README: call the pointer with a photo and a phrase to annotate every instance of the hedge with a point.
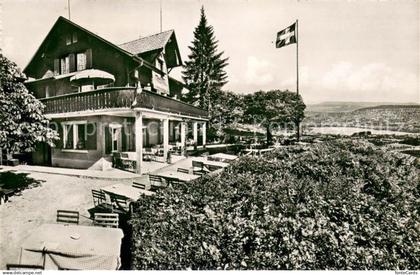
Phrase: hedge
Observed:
(333, 205)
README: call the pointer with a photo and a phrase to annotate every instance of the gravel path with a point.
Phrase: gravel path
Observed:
(38, 205)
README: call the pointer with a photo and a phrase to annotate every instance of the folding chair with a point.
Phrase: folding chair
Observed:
(119, 203)
(155, 180)
(98, 197)
(198, 166)
(67, 216)
(101, 205)
(183, 170)
(199, 172)
(106, 220)
(139, 185)
(116, 160)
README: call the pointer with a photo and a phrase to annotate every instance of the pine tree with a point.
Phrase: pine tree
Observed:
(204, 72)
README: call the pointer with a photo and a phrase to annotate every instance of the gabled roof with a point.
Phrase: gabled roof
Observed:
(148, 43)
(62, 20)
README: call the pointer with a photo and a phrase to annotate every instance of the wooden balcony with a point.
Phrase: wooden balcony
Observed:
(118, 97)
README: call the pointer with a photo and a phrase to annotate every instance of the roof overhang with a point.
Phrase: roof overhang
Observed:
(62, 20)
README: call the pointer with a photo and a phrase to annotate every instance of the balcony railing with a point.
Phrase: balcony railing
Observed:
(154, 101)
(111, 98)
(92, 100)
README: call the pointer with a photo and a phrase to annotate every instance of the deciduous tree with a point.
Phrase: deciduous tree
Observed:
(274, 109)
(22, 122)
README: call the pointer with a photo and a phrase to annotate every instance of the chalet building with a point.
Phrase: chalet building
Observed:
(104, 98)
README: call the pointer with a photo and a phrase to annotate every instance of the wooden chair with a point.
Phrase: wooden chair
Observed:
(120, 203)
(117, 160)
(139, 185)
(212, 168)
(101, 205)
(23, 267)
(155, 180)
(199, 172)
(106, 220)
(198, 166)
(98, 197)
(183, 170)
(67, 216)
(148, 154)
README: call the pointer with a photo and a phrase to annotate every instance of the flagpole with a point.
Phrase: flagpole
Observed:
(297, 58)
(297, 74)
(68, 6)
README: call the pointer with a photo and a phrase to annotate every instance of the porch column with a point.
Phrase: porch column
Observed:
(139, 141)
(195, 132)
(204, 132)
(183, 135)
(165, 138)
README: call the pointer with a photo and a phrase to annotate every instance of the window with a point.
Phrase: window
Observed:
(47, 91)
(129, 133)
(65, 65)
(87, 88)
(81, 61)
(74, 37)
(115, 135)
(81, 136)
(74, 135)
(159, 64)
(68, 39)
(68, 136)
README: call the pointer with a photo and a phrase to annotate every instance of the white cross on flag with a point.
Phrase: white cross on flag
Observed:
(286, 36)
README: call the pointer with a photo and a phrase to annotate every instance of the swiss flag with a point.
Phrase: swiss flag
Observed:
(286, 36)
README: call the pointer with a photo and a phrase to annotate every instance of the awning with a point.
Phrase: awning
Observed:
(92, 76)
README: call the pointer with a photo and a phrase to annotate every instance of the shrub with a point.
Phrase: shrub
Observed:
(333, 205)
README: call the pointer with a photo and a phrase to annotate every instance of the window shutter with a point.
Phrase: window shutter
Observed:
(56, 66)
(59, 128)
(72, 58)
(88, 58)
(92, 133)
(108, 146)
(124, 139)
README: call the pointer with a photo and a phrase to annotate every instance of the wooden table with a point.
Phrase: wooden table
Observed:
(178, 175)
(60, 246)
(127, 191)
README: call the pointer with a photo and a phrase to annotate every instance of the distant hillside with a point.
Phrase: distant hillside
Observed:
(395, 117)
(343, 106)
(390, 107)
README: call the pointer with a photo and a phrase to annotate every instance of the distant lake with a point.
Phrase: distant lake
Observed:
(348, 131)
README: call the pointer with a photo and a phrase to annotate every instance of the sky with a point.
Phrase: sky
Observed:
(348, 50)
